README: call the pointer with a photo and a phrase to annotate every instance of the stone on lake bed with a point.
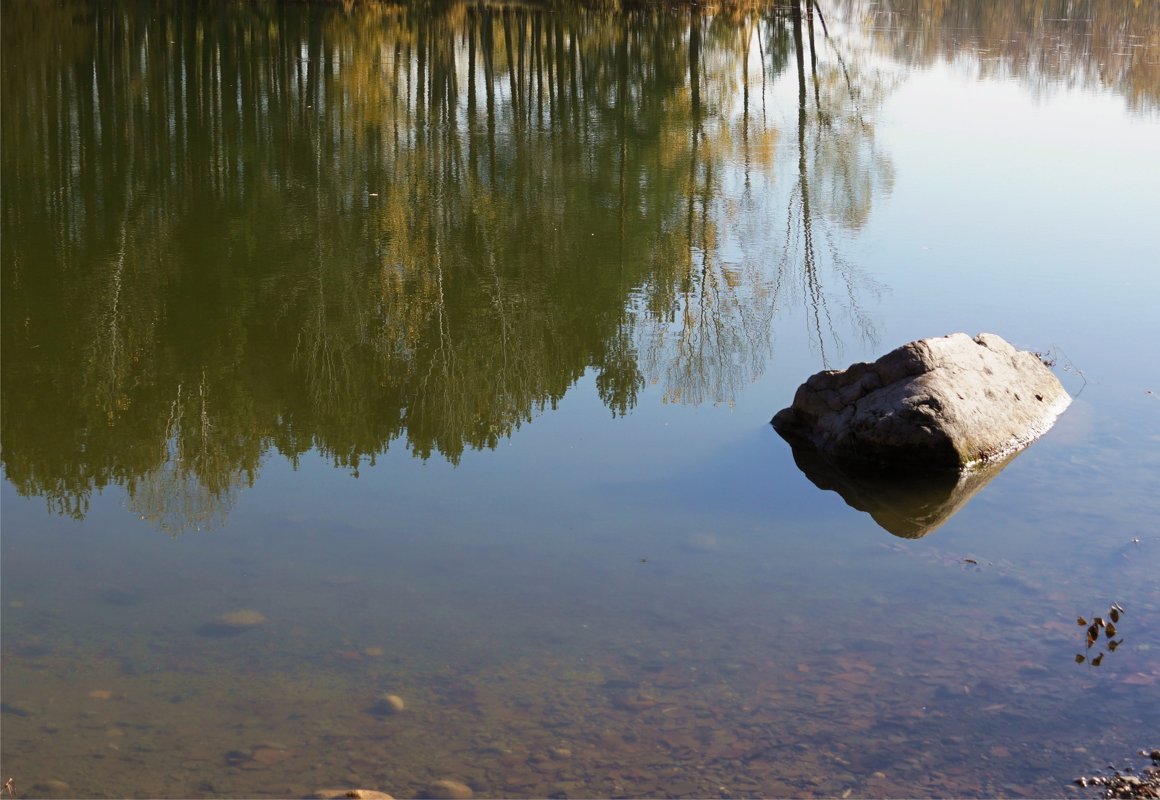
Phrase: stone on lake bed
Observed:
(246, 618)
(233, 623)
(942, 404)
(50, 786)
(389, 704)
(267, 755)
(447, 789)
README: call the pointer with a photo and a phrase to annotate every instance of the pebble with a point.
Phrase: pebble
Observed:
(390, 704)
(245, 618)
(269, 755)
(50, 786)
(633, 701)
(561, 753)
(447, 789)
(100, 694)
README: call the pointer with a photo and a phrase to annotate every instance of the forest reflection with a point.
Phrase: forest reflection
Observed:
(1045, 44)
(259, 227)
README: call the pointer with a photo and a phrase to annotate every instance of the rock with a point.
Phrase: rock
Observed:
(632, 701)
(358, 794)
(50, 786)
(233, 623)
(943, 404)
(447, 789)
(267, 755)
(246, 618)
(388, 704)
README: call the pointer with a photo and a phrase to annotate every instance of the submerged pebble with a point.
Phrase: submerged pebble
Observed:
(245, 618)
(233, 623)
(447, 789)
(51, 786)
(388, 704)
(266, 755)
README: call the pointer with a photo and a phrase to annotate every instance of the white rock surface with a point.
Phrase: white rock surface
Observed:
(948, 403)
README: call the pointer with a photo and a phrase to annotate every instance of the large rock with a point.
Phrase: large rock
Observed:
(943, 404)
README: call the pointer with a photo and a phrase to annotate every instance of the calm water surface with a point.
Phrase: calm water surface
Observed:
(445, 343)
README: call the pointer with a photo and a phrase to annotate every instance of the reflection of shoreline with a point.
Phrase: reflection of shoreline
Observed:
(1105, 45)
(427, 250)
(905, 506)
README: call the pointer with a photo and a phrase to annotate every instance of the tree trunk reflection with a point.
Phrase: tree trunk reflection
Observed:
(344, 228)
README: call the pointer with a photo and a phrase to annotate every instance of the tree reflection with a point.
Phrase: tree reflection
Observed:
(304, 227)
(838, 160)
(1045, 43)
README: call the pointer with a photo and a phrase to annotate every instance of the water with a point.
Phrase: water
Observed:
(447, 342)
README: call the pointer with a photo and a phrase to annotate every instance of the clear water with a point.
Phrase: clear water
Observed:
(447, 342)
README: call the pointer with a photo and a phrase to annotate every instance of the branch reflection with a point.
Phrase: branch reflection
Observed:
(300, 228)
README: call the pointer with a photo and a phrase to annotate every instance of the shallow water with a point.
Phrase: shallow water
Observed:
(457, 367)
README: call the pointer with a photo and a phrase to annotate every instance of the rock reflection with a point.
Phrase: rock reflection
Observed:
(905, 506)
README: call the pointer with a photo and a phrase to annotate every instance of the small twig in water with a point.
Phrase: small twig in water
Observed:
(1049, 361)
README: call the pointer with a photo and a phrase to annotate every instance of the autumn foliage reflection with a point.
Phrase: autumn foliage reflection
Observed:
(1043, 43)
(296, 227)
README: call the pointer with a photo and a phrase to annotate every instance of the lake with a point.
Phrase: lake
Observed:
(430, 351)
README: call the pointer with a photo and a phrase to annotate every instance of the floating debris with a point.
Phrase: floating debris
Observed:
(1092, 633)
